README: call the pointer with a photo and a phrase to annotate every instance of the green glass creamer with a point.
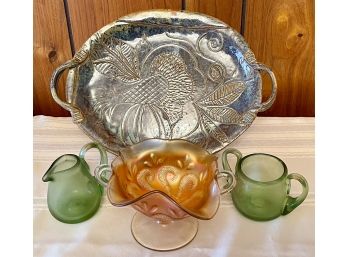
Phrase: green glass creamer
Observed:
(74, 195)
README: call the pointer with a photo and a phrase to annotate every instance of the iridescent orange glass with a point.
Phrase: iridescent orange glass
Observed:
(166, 180)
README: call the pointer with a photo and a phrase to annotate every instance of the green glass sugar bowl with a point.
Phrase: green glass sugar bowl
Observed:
(74, 195)
(263, 186)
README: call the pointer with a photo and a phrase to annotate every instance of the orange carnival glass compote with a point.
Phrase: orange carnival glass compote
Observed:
(167, 180)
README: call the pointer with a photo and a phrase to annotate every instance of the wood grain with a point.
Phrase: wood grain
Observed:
(51, 49)
(281, 34)
(88, 16)
(228, 11)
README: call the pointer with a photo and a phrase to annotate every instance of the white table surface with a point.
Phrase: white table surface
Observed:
(227, 234)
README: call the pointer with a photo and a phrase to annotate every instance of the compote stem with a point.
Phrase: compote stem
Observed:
(163, 235)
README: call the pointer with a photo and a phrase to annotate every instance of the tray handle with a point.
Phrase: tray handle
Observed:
(75, 112)
(268, 103)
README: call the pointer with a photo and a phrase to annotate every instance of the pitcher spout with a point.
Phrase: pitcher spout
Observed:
(47, 176)
(61, 164)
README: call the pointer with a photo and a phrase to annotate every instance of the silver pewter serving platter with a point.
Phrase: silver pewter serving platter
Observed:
(164, 74)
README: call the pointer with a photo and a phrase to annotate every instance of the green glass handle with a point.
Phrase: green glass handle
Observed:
(293, 202)
(225, 164)
(231, 181)
(102, 172)
(227, 171)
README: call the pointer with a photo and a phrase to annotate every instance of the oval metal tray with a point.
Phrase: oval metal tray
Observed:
(164, 74)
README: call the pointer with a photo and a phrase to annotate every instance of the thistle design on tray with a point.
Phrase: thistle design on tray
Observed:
(165, 75)
(163, 86)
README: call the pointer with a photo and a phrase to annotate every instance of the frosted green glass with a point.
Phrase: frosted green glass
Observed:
(74, 195)
(263, 186)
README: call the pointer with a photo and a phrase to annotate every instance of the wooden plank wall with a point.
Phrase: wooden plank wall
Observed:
(279, 32)
(51, 49)
(88, 16)
(228, 11)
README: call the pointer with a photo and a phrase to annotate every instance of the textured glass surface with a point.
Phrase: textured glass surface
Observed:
(73, 193)
(263, 186)
(262, 168)
(170, 183)
(172, 178)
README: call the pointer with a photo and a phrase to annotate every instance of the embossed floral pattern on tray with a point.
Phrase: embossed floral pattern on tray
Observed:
(187, 77)
(161, 89)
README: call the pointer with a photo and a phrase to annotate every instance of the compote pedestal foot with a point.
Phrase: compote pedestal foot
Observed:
(163, 236)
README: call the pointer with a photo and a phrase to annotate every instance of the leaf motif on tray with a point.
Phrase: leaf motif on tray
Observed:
(249, 117)
(224, 115)
(225, 94)
(115, 59)
(212, 130)
(250, 57)
(80, 56)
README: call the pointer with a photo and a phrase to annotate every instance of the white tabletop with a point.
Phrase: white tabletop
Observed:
(227, 234)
